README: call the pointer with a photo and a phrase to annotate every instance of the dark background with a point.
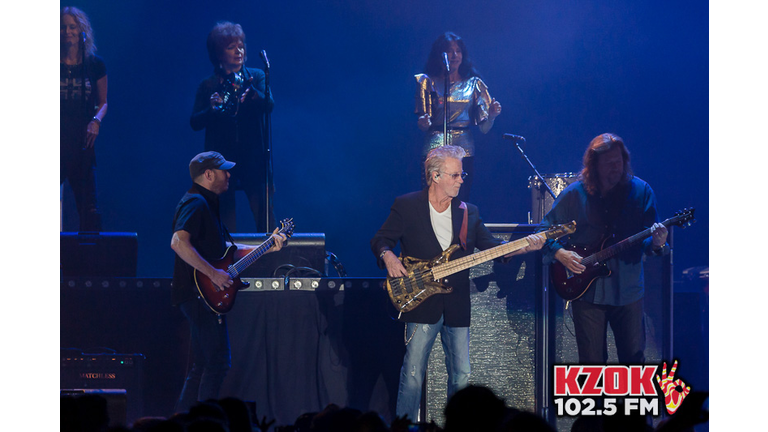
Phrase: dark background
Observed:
(344, 133)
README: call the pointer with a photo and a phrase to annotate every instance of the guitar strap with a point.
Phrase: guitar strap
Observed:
(463, 232)
(226, 233)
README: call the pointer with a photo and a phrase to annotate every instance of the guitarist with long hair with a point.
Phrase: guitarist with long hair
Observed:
(608, 202)
(199, 237)
(426, 223)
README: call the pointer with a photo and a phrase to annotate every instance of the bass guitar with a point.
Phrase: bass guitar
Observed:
(426, 277)
(570, 286)
(221, 299)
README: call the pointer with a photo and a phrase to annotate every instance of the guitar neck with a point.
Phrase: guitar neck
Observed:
(623, 245)
(463, 263)
(251, 257)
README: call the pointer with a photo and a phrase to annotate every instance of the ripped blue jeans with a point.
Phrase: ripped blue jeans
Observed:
(422, 337)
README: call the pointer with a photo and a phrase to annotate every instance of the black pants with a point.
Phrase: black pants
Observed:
(211, 356)
(591, 324)
(78, 166)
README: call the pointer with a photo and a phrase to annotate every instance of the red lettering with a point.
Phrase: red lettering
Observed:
(642, 381)
(565, 381)
(593, 376)
(616, 380)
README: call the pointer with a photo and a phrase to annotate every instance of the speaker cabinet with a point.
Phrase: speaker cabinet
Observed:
(87, 403)
(303, 255)
(691, 327)
(103, 254)
(105, 374)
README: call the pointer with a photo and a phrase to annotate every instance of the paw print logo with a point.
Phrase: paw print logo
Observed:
(674, 390)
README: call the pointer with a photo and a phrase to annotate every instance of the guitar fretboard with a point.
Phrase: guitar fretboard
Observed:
(463, 263)
(623, 245)
(446, 269)
(244, 262)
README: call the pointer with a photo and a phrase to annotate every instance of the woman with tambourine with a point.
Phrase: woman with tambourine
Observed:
(231, 105)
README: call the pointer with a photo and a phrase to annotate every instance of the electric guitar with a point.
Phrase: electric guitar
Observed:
(221, 299)
(426, 277)
(571, 286)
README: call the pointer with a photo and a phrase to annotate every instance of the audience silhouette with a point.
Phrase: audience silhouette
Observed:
(473, 408)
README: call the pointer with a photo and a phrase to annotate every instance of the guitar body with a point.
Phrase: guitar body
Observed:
(220, 299)
(407, 292)
(571, 286)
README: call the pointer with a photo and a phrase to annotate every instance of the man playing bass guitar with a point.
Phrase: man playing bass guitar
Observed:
(607, 201)
(426, 223)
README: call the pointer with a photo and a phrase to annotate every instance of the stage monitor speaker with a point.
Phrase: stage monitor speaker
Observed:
(503, 336)
(303, 251)
(90, 372)
(105, 254)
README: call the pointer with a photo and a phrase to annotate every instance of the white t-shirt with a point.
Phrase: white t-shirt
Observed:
(442, 226)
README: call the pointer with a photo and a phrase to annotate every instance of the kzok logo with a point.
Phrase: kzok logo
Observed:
(575, 387)
(616, 381)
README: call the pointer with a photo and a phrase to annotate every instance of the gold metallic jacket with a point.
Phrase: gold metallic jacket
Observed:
(468, 104)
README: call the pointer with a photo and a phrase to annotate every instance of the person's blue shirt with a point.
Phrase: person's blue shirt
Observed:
(624, 211)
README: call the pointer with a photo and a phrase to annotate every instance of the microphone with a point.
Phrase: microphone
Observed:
(447, 63)
(514, 137)
(263, 54)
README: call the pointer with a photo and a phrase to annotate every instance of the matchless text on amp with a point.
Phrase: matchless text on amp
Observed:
(607, 390)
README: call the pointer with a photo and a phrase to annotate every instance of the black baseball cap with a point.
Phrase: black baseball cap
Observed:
(208, 160)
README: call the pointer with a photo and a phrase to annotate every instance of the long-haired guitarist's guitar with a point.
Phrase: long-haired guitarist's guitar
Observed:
(425, 277)
(571, 286)
(221, 299)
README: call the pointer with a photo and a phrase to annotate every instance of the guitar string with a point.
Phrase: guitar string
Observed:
(468, 260)
(252, 256)
(620, 246)
(456, 265)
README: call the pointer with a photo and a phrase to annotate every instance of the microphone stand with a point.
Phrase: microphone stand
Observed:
(84, 77)
(534, 169)
(445, 105)
(268, 144)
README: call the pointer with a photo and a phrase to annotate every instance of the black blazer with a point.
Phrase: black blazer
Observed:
(409, 224)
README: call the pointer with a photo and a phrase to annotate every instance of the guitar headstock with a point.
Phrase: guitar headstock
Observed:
(561, 230)
(286, 227)
(683, 218)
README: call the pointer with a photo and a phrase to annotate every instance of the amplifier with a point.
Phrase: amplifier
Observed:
(106, 254)
(303, 251)
(115, 399)
(115, 372)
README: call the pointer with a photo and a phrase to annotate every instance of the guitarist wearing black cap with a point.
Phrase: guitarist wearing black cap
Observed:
(199, 238)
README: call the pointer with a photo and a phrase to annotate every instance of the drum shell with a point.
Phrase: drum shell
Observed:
(541, 200)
